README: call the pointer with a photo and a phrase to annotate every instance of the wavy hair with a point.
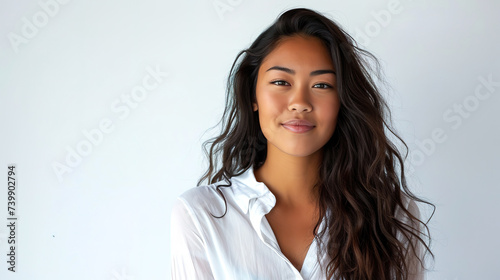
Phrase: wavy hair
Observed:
(362, 176)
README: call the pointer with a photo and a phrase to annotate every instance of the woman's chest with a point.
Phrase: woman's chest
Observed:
(294, 233)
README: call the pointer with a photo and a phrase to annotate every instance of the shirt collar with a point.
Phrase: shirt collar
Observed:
(246, 188)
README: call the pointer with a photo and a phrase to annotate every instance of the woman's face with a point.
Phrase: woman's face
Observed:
(297, 81)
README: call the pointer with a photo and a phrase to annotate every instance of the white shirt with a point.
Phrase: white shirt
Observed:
(241, 245)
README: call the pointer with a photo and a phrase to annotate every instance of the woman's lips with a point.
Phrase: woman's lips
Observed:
(298, 128)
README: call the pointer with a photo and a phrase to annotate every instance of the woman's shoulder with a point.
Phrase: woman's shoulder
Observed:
(203, 199)
(412, 220)
(411, 207)
(199, 194)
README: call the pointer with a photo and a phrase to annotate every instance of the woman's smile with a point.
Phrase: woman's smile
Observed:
(298, 128)
(298, 125)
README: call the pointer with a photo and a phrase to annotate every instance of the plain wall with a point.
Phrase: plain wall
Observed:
(98, 207)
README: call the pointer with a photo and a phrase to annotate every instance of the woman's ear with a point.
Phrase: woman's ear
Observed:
(255, 107)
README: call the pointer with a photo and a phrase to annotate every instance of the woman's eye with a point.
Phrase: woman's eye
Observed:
(324, 86)
(280, 83)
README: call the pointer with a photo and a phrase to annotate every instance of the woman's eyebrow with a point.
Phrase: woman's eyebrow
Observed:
(313, 73)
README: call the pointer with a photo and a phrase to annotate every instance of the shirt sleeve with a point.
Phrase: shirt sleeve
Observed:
(188, 251)
(416, 269)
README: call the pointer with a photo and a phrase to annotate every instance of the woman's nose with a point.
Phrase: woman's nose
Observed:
(300, 100)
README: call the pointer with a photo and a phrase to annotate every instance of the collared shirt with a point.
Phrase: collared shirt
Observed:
(241, 245)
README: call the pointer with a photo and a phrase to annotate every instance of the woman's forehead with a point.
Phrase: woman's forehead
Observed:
(301, 52)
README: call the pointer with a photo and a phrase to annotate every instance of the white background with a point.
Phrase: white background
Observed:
(108, 216)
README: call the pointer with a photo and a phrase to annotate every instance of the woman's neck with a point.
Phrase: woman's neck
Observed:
(290, 178)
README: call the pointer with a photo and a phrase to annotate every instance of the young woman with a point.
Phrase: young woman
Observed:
(310, 186)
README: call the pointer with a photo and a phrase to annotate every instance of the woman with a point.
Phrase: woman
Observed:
(310, 185)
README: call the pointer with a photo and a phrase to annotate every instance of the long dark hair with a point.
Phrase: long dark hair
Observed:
(362, 176)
